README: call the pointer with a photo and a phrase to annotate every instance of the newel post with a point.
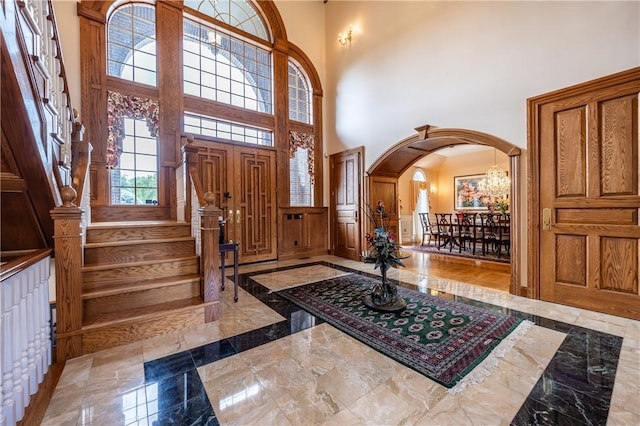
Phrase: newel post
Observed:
(68, 259)
(210, 257)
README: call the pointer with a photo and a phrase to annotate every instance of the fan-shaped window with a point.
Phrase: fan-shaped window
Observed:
(299, 95)
(237, 13)
(131, 43)
(226, 69)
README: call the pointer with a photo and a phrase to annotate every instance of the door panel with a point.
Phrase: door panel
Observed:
(248, 175)
(255, 204)
(346, 183)
(589, 179)
(213, 166)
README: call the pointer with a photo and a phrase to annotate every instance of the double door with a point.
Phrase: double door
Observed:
(243, 180)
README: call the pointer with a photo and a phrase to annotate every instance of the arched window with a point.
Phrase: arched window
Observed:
(301, 144)
(131, 43)
(299, 95)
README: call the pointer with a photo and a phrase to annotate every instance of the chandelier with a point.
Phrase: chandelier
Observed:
(496, 182)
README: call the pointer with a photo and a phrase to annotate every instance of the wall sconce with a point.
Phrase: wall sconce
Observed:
(344, 39)
(433, 189)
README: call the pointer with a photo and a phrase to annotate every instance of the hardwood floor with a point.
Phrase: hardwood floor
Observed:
(477, 272)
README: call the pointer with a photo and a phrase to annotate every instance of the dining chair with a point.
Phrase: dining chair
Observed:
(503, 233)
(428, 229)
(466, 231)
(445, 234)
(488, 228)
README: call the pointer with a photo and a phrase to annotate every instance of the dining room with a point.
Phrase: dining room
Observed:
(455, 203)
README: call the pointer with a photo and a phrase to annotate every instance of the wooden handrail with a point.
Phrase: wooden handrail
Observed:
(18, 264)
(80, 160)
(189, 154)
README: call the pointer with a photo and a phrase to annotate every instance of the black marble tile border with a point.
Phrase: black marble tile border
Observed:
(574, 389)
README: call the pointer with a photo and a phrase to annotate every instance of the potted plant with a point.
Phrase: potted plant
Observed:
(384, 252)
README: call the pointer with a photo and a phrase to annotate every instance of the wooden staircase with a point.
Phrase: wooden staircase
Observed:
(140, 280)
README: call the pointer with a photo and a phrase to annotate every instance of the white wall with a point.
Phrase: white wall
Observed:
(468, 65)
(69, 31)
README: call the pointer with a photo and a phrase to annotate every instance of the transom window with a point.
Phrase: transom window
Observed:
(131, 43)
(209, 126)
(223, 68)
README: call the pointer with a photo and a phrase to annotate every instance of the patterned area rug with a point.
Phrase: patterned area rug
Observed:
(439, 338)
(493, 257)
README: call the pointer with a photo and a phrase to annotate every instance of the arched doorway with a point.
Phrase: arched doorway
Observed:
(397, 159)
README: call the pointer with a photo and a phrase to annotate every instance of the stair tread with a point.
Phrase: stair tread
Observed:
(104, 288)
(136, 314)
(135, 224)
(137, 242)
(106, 266)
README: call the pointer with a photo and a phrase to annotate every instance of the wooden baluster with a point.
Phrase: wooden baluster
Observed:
(6, 362)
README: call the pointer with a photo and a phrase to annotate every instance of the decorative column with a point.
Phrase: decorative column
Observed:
(68, 254)
(210, 257)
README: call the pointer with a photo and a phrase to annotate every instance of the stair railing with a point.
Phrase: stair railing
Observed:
(25, 331)
(205, 226)
(44, 48)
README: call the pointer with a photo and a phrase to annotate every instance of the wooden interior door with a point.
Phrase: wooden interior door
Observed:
(248, 175)
(346, 190)
(589, 197)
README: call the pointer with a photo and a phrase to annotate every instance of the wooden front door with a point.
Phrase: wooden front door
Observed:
(589, 196)
(255, 204)
(248, 176)
(346, 191)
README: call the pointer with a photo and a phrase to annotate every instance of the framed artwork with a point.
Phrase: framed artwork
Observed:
(466, 194)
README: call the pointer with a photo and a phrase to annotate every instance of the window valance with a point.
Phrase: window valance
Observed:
(120, 107)
(305, 141)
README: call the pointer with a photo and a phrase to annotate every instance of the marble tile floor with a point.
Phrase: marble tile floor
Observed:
(267, 362)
